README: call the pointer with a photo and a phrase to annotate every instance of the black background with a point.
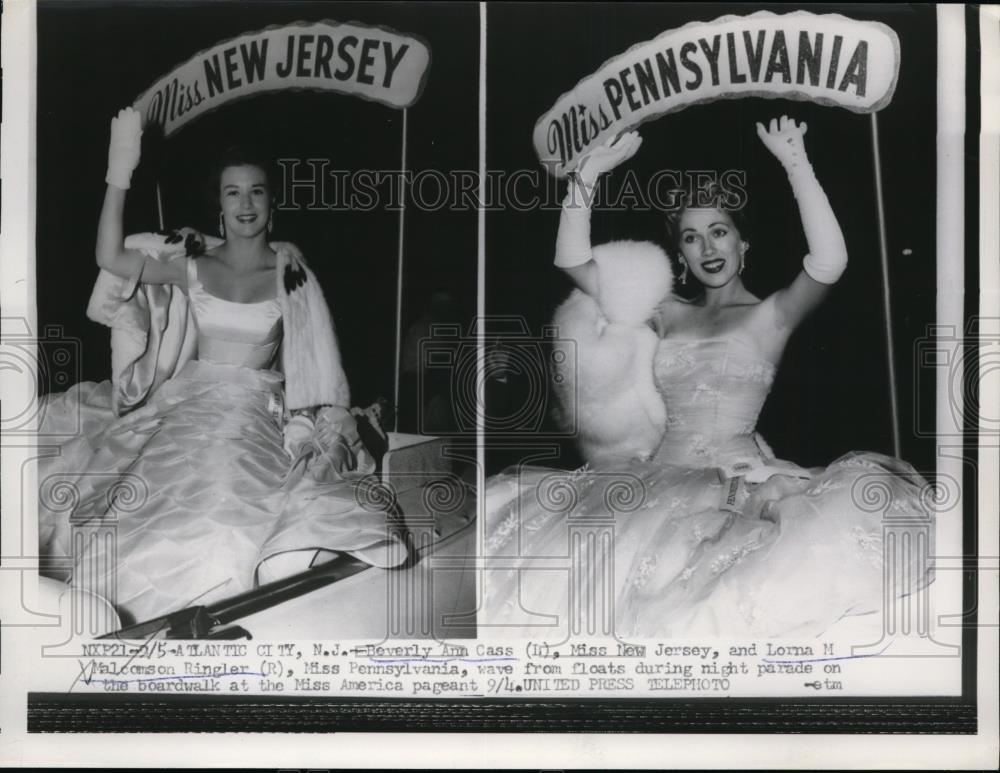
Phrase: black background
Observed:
(90, 65)
(831, 393)
(95, 58)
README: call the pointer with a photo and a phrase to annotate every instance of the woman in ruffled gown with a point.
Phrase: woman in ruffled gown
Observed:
(683, 523)
(201, 468)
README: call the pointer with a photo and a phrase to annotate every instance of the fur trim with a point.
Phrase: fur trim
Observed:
(152, 331)
(632, 279)
(309, 353)
(607, 393)
(310, 356)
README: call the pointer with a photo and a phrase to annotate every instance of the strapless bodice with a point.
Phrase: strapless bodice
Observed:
(713, 390)
(244, 334)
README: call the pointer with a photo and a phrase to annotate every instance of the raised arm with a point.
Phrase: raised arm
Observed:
(573, 249)
(123, 157)
(827, 257)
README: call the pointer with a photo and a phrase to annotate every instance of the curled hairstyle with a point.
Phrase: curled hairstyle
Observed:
(240, 155)
(712, 195)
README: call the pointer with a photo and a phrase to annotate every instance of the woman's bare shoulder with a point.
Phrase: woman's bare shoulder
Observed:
(675, 305)
(211, 255)
(670, 311)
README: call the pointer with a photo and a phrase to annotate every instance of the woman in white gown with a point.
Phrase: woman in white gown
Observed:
(201, 468)
(683, 523)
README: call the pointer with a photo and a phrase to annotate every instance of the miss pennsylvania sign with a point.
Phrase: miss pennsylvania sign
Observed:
(825, 58)
(370, 62)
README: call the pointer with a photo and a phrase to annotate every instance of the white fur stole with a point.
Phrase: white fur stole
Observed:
(607, 393)
(310, 356)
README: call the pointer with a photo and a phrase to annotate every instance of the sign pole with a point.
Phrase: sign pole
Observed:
(399, 277)
(159, 206)
(886, 300)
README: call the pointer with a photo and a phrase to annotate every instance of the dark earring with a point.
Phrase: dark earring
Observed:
(222, 226)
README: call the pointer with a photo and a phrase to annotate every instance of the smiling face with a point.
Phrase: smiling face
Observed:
(245, 199)
(711, 246)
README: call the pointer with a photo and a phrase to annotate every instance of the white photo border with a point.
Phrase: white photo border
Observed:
(672, 730)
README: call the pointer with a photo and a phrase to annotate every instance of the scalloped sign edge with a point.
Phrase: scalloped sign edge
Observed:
(368, 61)
(829, 59)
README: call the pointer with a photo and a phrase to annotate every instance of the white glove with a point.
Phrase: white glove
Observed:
(298, 432)
(606, 157)
(827, 256)
(573, 239)
(784, 139)
(124, 148)
(337, 443)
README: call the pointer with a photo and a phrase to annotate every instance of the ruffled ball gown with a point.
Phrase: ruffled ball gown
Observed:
(709, 534)
(182, 500)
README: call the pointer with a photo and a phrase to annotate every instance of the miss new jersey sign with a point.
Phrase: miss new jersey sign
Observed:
(825, 58)
(370, 62)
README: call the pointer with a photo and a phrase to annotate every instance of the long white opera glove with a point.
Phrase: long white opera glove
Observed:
(124, 148)
(573, 239)
(827, 256)
(298, 432)
(337, 440)
(325, 446)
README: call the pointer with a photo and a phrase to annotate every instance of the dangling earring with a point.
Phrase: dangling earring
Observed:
(222, 226)
(684, 272)
(743, 258)
(270, 223)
